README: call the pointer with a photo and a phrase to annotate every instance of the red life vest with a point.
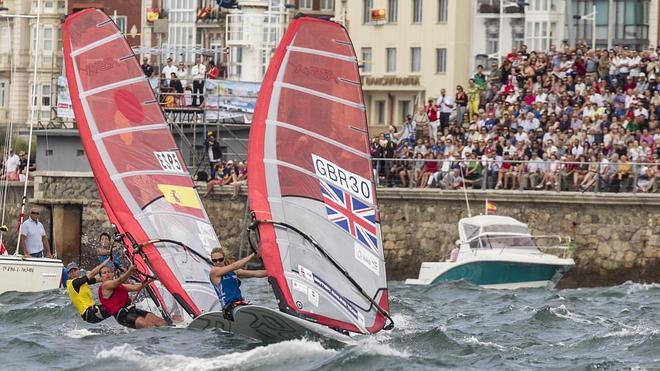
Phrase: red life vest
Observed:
(116, 301)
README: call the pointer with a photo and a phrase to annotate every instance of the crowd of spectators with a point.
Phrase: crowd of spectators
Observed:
(178, 85)
(572, 119)
(13, 166)
(228, 173)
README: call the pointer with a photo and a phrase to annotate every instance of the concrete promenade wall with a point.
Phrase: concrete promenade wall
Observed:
(617, 236)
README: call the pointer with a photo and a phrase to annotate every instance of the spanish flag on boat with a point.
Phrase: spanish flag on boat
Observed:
(490, 208)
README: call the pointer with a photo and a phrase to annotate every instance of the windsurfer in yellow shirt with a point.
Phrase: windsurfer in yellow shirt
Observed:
(81, 295)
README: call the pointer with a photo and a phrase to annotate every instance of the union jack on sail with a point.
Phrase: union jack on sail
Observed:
(350, 214)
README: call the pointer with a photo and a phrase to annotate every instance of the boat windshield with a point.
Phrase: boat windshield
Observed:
(500, 242)
(471, 231)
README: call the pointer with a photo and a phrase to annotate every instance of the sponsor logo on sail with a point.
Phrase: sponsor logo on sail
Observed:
(327, 288)
(102, 65)
(353, 183)
(180, 195)
(299, 286)
(368, 259)
(313, 71)
(313, 297)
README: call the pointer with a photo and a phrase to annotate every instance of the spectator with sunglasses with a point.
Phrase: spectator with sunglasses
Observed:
(225, 276)
(33, 237)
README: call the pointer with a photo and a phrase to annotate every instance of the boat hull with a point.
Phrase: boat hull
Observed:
(29, 274)
(498, 274)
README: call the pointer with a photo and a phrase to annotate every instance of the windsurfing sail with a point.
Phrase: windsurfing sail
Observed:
(311, 190)
(142, 179)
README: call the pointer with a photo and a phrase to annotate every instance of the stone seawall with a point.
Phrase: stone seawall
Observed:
(617, 237)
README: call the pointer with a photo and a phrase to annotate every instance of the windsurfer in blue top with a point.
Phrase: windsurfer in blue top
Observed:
(224, 276)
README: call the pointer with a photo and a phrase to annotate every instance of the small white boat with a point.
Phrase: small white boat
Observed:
(499, 252)
(27, 274)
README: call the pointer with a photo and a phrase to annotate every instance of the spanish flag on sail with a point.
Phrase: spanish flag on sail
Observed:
(490, 208)
(180, 195)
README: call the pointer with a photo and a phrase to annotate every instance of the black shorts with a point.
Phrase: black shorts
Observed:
(127, 315)
(228, 309)
(95, 314)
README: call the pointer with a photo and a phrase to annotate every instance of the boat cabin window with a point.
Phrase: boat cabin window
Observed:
(499, 242)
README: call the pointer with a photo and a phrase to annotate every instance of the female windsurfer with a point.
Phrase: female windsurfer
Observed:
(225, 280)
(113, 294)
(81, 295)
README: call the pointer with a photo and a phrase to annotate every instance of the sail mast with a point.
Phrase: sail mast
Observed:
(21, 216)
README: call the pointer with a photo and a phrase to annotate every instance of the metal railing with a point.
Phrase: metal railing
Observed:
(490, 174)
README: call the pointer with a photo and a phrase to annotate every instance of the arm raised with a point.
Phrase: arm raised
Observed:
(217, 272)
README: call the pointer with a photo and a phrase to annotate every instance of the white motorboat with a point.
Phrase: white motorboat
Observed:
(27, 274)
(499, 252)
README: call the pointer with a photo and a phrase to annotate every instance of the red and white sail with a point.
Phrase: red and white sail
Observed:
(310, 169)
(143, 181)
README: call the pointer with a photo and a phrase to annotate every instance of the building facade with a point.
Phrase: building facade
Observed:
(417, 48)
(252, 33)
(127, 14)
(499, 29)
(618, 22)
(18, 48)
(316, 8)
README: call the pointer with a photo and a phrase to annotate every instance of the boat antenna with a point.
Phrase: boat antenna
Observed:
(33, 109)
(467, 202)
(8, 140)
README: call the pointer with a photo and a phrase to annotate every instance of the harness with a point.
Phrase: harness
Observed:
(228, 310)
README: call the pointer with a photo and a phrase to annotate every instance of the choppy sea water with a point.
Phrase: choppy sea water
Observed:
(453, 326)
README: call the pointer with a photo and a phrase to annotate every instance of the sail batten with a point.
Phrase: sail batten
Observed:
(96, 44)
(127, 174)
(114, 85)
(322, 53)
(313, 134)
(144, 184)
(319, 94)
(311, 183)
(121, 131)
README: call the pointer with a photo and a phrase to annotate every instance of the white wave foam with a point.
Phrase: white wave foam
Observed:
(79, 333)
(288, 353)
(633, 331)
(641, 287)
(371, 345)
(403, 323)
(474, 340)
(50, 306)
(563, 312)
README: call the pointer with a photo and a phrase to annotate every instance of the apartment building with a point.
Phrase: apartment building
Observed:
(411, 50)
(18, 37)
